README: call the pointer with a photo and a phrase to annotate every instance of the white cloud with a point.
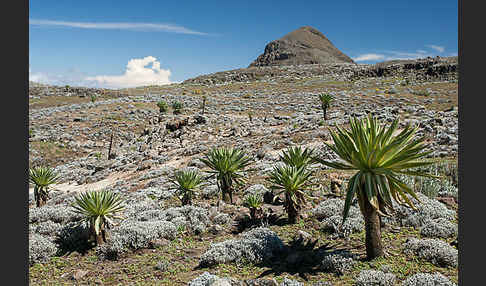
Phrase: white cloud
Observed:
(72, 77)
(387, 55)
(439, 49)
(137, 74)
(118, 26)
(38, 77)
(368, 57)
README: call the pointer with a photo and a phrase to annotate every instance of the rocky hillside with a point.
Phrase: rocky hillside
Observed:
(305, 45)
(161, 242)
(420, 69)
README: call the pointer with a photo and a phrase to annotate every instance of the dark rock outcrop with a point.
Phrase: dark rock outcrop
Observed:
(305, 45)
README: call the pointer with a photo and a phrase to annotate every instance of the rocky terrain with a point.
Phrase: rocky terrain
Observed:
(262, 110)
(444, 69)
(305, 45)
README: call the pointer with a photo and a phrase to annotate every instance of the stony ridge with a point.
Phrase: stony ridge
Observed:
(445, 68)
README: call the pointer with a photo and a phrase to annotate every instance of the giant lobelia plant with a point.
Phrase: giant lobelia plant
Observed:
(379, 154)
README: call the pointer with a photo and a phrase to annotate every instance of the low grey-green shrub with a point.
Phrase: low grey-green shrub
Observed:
(210, 191)
(257, 245)
(204, 279)
(335, 226)
(330, 212)
(435, 251)
(139, 234)
(222, 219)
(291, 282)
(322, 283)
(439, 228)
(257, 189)
(427, 279)
(375, 278)
(162, 265)
(48, 228)
(136, 205)
(132, 235)
(332, 207)
(194, 218)
(338, 262)
(58, 214)
(157, 193)
(427, 210)
(40, 249)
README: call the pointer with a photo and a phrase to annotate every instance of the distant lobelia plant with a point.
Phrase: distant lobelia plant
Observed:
(296, 157)
(292, 181)
(250, 115)
(163, 107)
(227, 166)
(254, 203)
(204, 98)
(186, 182)
(177, 107)
(379, 156)
(42, 178)
(98, 209)
(326, 100)
(93, 98)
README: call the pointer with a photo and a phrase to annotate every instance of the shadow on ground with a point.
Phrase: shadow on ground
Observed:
(300, 257)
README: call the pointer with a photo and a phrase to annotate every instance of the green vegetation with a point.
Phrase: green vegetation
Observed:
(250, 115)
(177, 107)
(292, 181)
(42, 178)
(93, 98)
(186, 182)
(325, 100)
(163, 106)
(379, 157)
(227, 165)
(204, 98)
(98, 209)
(296, 157)
(254, 203)
(422, 93)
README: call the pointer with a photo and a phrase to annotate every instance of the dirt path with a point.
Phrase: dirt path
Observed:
(96, 186)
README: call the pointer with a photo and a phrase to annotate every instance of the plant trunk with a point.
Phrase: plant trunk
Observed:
(226, 192)
(374, 248)
(253, 214)
(227, 197)
(324, 111)
(101, 237)
(186, 200)
(40, 199)
(292, 211)
(111, 144)
(293, 215)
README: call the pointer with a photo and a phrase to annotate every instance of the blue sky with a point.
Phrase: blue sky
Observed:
(127, 43)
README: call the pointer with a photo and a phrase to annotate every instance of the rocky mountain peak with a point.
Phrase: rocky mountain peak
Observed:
(306, 45)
